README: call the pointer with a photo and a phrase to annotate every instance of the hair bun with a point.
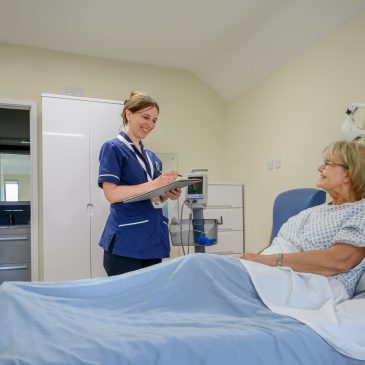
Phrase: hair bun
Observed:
(135, 93)
(136, 102)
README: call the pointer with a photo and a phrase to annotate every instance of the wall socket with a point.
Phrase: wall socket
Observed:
(277, 163)
(273, 164)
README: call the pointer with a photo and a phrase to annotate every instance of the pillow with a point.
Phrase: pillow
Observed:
(360, 286)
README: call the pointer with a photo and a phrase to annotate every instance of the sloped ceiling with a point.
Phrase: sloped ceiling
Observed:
(229, 44)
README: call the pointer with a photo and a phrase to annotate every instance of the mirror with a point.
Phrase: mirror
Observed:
(15, 161)
(15, 177)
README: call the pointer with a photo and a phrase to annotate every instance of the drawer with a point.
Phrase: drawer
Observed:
(14, 230)
(225, 195)
(229, 242)
(15, 272)
(14, 248)
(232, 217)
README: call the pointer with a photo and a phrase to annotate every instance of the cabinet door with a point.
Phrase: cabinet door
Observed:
(14, 245)
(15, 272)
(232, 218)
(221, 195)
(66, 224)
(105, 123)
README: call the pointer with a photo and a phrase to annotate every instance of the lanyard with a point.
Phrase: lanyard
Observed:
(141, 162)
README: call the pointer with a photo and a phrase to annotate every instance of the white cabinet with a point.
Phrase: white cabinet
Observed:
(74, 207)
(15, 260)
(225, 199)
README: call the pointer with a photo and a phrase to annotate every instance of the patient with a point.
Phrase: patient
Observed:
(328, 239)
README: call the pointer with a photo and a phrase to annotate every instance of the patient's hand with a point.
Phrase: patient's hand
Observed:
(262, 259)
(248, 256)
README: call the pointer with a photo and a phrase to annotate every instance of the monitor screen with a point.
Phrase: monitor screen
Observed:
(196, 188)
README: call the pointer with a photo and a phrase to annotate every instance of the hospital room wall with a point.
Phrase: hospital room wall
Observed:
(292, 115)
(191, 112)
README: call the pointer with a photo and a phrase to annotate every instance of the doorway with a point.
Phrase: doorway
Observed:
(19, 156)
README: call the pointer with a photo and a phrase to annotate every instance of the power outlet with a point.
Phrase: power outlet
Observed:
(277, 163)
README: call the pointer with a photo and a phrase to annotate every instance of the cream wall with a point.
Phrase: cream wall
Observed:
(292, 115)
(191, 112)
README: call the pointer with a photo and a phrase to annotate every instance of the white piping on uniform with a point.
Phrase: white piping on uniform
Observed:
(132, 224)
(109, 175)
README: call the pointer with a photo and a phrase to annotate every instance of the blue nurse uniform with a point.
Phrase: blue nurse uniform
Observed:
(140, 230)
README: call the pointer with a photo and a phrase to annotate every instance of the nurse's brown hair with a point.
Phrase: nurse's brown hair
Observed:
(137, 101)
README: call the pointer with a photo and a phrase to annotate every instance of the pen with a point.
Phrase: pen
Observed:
(179, 175)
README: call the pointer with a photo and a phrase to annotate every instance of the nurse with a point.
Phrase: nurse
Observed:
(136, 234)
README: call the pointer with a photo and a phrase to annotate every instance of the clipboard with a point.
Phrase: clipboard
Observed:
(163, 189)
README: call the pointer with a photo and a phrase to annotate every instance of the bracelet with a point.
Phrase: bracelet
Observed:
(279, 259)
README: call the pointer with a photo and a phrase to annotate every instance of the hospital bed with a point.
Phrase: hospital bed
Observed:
(196, 309)
(189, 310)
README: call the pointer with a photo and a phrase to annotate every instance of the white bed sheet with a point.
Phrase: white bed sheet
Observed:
(318, 301)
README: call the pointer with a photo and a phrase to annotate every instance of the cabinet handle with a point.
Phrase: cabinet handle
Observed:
(14, 238)
(90, 209)
(15, 267)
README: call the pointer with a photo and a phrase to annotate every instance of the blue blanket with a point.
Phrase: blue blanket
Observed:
(198, 309)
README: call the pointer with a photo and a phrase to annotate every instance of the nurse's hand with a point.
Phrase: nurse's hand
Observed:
(165, 178)
(172, 194)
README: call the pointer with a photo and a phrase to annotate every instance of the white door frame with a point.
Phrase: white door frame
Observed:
(32, 107)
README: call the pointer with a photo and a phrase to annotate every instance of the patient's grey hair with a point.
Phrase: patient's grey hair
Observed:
(137, 101)
(351, 155)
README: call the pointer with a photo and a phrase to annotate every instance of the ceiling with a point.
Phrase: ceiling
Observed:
(229, 44)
